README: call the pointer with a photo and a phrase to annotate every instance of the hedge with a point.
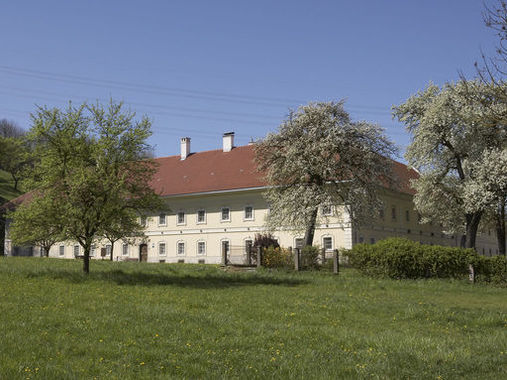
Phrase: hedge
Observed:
(402, 258)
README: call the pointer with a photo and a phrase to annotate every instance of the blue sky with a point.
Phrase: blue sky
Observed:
(201, 68)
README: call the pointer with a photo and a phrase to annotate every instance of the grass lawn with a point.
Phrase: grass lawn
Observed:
(7, 186)
(132, 320)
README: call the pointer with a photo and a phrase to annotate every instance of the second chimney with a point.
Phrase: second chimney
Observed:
(228, 141)
(185, 147)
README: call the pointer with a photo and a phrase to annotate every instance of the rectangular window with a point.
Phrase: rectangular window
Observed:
(161, 219)
(201, 216)
(381, 213)
(108, 249)
(180, 218)
(248, 213)
(201, 248)
(361, 239)
(372, 240)
(61, 250)
(226, 214)
(92, 250)
(327, 210)
(407, 216)
(161, 249)
(125, 249)
(328, 243)
(393, 213)
(181, 248)
(143, 221)
(76, 250)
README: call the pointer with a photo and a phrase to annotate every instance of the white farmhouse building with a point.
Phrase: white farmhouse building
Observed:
(216, 201)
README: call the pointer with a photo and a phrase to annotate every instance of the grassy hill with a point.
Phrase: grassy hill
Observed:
(7, 190)
(151, 321)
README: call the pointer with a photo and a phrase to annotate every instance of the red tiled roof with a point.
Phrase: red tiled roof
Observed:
(216, 170)
(212, 170)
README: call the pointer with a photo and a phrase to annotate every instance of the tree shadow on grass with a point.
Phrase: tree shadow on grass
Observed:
(205, 281)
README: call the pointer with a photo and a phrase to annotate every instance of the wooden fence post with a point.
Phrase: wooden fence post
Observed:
(297, 265)
(259, 257)
(336, 262)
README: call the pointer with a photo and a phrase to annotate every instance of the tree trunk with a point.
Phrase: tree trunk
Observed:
(112, 248)
(472, 225)
(310, 229)
(500, 229)
(16, 180)
(86, 259)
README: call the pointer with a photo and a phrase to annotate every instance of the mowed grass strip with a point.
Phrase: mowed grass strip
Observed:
(131, 320)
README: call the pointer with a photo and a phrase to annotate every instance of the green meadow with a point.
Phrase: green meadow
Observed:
(149, 321)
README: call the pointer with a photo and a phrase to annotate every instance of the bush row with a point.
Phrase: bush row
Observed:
(277, 257)
(403, 258)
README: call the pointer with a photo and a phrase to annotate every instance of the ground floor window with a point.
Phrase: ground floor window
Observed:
(161, 249)
(92, 250)
(328, 243)
(76, 250)
(61, 250)
(181, 248)
(248, 246)
(201, 248)
(125, 249)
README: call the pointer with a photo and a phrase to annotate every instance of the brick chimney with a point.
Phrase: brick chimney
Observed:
(185, 147)
(228, 141)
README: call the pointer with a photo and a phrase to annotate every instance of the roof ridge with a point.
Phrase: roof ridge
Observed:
(204, 151)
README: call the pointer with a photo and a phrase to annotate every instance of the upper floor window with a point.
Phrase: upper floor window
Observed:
(327, 210)
(181, 248)
(162, 219)
(180, 217)
(226, 214)
(143, 221)
(201, 216)
(248, 213)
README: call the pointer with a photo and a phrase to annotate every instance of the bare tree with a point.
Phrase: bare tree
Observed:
(9, 128)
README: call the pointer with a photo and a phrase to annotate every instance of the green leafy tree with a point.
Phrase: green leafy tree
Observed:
(319, 157)
(91, 160)
(38, 222)
(14, 157)
(452, 127)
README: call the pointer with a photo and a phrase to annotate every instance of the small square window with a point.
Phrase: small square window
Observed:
(327, 210)
(201, 261)
(201, 248)
(125, 249)
(226, 214)
(328, 243)
(201, 216)
(162, 219)
(181, 248)
(181, 217)
(61, 250)
(161, 249)
(248, 212)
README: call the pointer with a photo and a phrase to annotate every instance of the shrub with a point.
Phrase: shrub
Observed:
(310, 257)
(490, 269)
(265, 241)
(403, 258)
(277, 258)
